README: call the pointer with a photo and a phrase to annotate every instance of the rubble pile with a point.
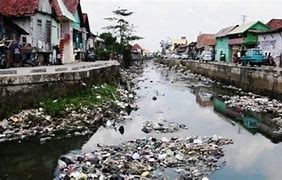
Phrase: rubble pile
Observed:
(166, 127)
(147, 158)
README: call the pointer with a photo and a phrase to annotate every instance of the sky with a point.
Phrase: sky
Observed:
(158, 20)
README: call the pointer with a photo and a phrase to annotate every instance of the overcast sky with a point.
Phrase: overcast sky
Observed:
(159, 19)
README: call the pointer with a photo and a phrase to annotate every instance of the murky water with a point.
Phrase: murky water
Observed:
(253, 155)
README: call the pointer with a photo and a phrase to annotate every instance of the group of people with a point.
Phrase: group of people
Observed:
(26, 55)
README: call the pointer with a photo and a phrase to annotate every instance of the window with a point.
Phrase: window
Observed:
(39, 22)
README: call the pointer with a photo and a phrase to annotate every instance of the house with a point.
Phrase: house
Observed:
(206, 41)
(222, 45)
(9, 30)
(271, 42)
(34, 17)
(244, 36)
(274, 23)
(137, 52)
(176, 42)
(62, 30)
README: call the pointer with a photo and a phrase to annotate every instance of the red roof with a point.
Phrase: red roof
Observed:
(18, 7)
(136, 47)
(71, 5)
(56, 7)
(205, 40)
(275, 23)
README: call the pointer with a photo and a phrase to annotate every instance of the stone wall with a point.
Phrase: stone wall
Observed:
(25, 91)
(261, 80)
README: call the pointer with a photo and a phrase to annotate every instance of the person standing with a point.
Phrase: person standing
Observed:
(17, 52)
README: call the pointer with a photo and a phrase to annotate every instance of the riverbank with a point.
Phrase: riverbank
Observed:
(261, 80)
(264, 112)
(73, 115)
(22, 88)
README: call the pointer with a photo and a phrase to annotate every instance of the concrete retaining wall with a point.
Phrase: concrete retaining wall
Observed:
(25, 91)
(261, 80)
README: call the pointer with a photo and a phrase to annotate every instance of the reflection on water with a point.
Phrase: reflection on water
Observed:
(32, 160)
(253, 156)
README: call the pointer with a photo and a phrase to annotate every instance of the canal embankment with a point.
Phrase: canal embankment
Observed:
(261, 80)
(22, 88)
(87, 99)
(253, 110)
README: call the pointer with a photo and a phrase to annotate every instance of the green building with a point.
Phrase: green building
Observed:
(244, 36)
(222, 47)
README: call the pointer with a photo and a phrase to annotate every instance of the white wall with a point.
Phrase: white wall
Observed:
(271, 43)
(68, 56)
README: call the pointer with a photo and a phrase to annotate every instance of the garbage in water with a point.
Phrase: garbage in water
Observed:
(191, 157)
(164, 127)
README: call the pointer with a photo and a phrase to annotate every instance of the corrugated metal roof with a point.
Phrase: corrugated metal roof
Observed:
(18, 8)
(224, 31)
(65, 11)
(275, 23)
(61, 10)
(71, 5)
(242, 28)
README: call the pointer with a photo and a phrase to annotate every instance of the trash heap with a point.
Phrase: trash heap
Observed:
(147, 158)
(34, 123)
(254, 103)
(165, 127)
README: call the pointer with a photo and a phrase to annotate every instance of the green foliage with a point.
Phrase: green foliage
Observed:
(124, 32)
(88, 98)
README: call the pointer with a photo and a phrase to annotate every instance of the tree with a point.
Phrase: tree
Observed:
(124, 32)
(110, 46)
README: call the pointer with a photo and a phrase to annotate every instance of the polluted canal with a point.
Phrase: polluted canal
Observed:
(170, 108)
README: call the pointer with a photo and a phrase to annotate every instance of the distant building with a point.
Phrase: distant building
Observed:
(176, 42)
(206, 41)
(137, 52)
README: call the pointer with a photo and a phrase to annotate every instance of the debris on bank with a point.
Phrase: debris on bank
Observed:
(165, 127)
(77, 115)
(254, 103)
(147, 158)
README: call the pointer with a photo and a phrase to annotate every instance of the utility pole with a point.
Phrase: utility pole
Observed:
(244, 18)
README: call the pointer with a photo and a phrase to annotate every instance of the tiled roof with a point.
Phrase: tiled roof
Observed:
(275, 23)
(18, 7)
(224, 31)
(71, 5)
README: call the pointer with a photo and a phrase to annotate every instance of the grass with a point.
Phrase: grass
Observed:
(96, 95)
